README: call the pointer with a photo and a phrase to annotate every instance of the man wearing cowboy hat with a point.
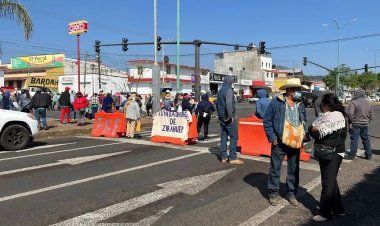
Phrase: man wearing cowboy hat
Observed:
(284, 109)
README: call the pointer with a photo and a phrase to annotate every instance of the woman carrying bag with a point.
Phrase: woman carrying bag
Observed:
(329, 131)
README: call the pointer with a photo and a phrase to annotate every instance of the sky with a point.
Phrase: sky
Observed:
(280, 23)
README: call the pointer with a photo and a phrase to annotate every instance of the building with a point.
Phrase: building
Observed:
(250, 69)
(55, 72)
(141, 77)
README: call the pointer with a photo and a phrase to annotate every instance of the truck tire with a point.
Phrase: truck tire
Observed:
(14, 137)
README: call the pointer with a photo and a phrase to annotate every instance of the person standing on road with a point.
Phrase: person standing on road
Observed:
(284, 126)
(24, 100)
(39, 103)
(330, 129)
(107, 103)
(132, 110)
(262, 103)
(65, 103)
(117, 100)
(149, 105)
(187, 105)
(80, 105)
(360, 113)
(203, 112)
(94, 104)
(226, 115)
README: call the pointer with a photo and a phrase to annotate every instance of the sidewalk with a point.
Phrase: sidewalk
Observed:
(56, 130)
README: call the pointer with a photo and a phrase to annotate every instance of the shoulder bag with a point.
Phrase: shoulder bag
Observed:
(324, 152)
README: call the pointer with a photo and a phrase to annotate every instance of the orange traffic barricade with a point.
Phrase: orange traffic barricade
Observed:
(253, 140)
(109, 125)
(191, 135)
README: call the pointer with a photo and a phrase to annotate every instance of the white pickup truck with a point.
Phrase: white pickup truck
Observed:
(17, 129)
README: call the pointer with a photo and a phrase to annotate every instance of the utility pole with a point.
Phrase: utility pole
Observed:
(85, 71)
(178, 45)
(156, 68)
(197, 45)
(100, 80)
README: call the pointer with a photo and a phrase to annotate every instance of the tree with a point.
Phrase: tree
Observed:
(368, 81)
(330, 78)
(13, 10)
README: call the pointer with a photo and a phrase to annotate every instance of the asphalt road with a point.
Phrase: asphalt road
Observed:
(136, 182)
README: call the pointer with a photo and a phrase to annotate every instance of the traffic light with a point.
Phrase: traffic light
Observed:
(250, 47)
(158, 43)
(262, 47)
(166, 59)
(365, 67)
(125, 44)
(304, 61)
(97, 46)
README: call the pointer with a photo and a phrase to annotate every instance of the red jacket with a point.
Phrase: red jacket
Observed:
(80, 103)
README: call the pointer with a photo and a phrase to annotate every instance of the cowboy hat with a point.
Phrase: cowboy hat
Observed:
(293, 83)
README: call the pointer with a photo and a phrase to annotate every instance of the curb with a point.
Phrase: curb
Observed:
(75, 131)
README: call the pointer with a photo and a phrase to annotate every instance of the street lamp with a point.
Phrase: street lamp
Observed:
(375, 52)
(338, 28)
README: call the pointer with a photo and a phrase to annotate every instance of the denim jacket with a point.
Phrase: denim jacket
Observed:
(274, 119)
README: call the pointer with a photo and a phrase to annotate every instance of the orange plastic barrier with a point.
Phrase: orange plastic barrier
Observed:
(109, 125)
(191, 135)
(252, 137)
(253, 140)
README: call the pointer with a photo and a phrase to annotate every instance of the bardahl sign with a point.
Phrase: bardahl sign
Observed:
(78, 27)
(220, 77)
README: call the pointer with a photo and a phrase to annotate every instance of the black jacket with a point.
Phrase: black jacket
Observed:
(40, 100)
(64, 99)
(332, 139)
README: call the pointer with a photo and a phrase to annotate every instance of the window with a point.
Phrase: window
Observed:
(266, 64)
(269, 65)
(272, 75)
(267, 75)
(262, 64)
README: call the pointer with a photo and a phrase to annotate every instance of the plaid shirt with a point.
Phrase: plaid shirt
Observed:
(292, 114)
(94, 100)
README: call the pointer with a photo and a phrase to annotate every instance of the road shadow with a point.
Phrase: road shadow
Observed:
(36, 144)
(361, 202)
(259, 181)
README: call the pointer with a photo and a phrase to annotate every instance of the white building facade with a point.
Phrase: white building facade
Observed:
(141, 77)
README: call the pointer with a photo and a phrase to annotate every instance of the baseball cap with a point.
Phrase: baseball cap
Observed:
(67, 88)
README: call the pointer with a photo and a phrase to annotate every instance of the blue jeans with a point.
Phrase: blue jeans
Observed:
(292, 180)
(40, 113)
(228, 129)
(93, 111)
(355, 131)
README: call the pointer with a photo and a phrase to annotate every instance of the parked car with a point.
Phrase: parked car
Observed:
(17, 129)
(33, 90)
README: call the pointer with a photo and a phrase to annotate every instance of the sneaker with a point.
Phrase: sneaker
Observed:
(224, 161)
(349, 157)
(46, 128)
(338, 214)
(205, 139)
(319, 218)
(236, 162)
(62, 124)
(273, 201)
(292, 200)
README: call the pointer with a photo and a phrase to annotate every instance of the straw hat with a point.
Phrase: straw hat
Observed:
(293, 83)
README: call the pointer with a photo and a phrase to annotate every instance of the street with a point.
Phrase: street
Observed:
(81, 180)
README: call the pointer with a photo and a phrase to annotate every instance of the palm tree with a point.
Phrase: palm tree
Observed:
(13, 10)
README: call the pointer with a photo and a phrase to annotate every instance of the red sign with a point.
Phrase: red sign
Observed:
(78, 27)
